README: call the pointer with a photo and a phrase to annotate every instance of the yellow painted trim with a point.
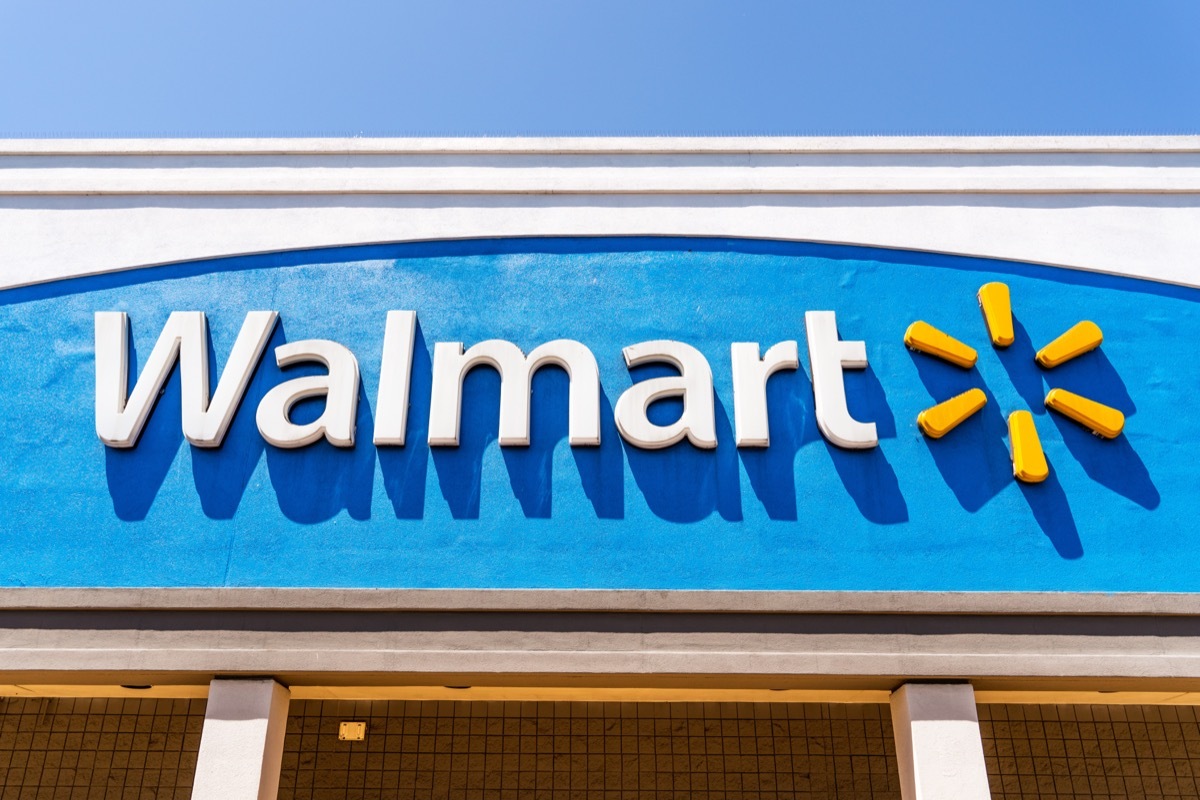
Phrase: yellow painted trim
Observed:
(1082, 337)
(591, 694)
(924, 338)
(613, 694)
(1100, 419)
(1029, 461)
(1090, 698)
(163, 691)
(936, 421)
(996, 303)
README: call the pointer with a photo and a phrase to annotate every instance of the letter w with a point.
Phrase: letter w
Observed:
(120, 419)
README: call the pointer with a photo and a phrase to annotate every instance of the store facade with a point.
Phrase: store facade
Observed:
(600, 468)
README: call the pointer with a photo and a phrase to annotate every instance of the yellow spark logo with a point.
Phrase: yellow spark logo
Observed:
(1029, 461)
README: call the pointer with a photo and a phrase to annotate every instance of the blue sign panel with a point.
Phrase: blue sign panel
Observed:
(913, 513)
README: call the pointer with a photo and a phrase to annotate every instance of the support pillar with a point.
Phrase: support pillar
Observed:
(241, 746)
(938, 747)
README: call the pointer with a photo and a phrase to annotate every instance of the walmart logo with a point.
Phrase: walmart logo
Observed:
(1029, 461)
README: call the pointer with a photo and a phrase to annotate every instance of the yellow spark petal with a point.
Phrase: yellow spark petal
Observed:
(997, 312)
(1029, 462)
(925, 338)
(1100, 419)
(936, 421)
(1083, 337)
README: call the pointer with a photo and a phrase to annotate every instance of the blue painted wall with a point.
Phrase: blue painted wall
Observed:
(911, 514)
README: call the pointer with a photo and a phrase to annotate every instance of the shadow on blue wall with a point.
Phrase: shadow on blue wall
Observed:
(973, 459)
(136, 474)
(602, 469)
(680, 483)
(405, 469)
(1111, 463)
(344, 475)
(531, 469)
(460, 469)
(1050, 508)
(791, 424)
(1023, 371)
(866, 474)
(684, 483)
(222, 474)
(315, 483)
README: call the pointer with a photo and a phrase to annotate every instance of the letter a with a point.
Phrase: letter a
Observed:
(693, 384)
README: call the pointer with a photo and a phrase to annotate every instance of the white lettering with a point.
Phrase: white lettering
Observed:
(339, 387)
(395, 374)
(693, 384)
(750, 388)
(120, 419)
(828, 357)
(451, 365)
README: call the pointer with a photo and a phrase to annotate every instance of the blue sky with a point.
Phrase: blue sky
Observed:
(459, 67)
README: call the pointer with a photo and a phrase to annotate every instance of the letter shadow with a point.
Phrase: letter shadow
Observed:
(314, 483)
(531, 469)
(602, 469)
(460, 469)
(772, 470)
(405, 469)
(868, 477)
(135, 475)
(1110, 462)
(973, 458)
(684, 483)
(1019, 361)
(221, 474)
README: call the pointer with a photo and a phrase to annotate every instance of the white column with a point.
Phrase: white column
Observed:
(241, 747)
(938, 746)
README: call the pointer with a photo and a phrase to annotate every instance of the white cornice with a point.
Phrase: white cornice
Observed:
(1120, 205)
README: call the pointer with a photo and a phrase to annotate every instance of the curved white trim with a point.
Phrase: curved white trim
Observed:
(55, 240)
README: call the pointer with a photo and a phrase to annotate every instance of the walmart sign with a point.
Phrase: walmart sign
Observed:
(624, 413)
(120, 417)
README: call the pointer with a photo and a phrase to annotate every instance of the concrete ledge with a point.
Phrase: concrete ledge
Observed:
(729, 649)
(621, 600)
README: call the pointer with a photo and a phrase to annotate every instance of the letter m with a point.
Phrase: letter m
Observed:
(451, 365)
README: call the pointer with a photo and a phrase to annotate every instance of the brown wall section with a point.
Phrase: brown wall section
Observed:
(92, 749)
(590, 751)
(1054, 752)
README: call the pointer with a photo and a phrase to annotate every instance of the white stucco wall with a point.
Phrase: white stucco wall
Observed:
(1122, 205)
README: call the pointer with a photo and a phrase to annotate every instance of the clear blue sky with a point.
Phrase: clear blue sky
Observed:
(609, 67)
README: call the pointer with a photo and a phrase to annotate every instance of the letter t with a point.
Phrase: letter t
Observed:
(828, 356)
